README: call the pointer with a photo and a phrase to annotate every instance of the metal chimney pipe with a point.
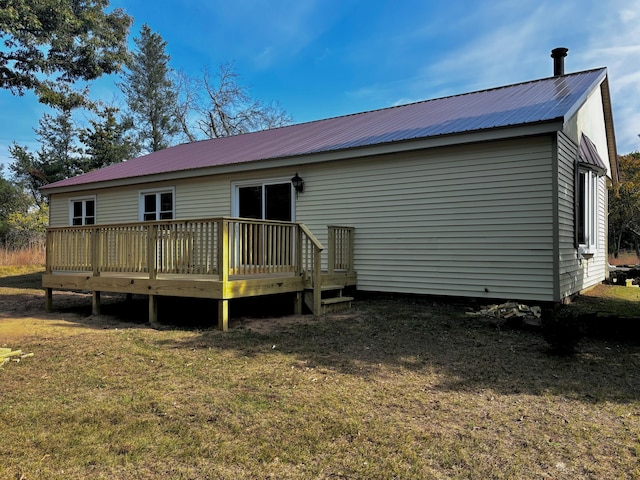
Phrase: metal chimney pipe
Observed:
(558, 55)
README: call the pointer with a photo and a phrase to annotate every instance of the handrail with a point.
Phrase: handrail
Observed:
(311, 236)
(313, 264)
(173, 221)
(186, 246)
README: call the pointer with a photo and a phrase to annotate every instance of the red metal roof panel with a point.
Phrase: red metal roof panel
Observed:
(520, 104)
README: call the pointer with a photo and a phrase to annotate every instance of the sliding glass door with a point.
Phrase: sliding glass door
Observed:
(265, 201)
(257, 244)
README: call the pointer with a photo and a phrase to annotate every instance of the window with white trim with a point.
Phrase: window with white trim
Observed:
(270, 199)
(587, 211)
(82, 211)
(157, 204)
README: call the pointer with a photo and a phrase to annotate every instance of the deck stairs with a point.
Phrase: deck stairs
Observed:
(333, 299)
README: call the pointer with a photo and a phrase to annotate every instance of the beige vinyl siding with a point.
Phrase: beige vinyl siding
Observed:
(451, 221)
(203, 197)
(59, 210)
(576, 274)
(114, 205)
(589, 119)
(569, 267)
(472, 220)
(117, 205)
(211, 196)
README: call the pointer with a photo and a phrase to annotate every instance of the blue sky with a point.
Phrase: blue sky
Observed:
(324, 58)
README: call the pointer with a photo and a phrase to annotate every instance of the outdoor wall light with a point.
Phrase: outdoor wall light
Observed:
(298, 183)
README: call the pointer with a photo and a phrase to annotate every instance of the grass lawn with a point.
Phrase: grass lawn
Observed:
(395, 388)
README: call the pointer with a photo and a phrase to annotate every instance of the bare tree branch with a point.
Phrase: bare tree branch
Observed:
(222, 106)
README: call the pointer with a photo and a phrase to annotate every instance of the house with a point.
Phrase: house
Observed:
(494, 194)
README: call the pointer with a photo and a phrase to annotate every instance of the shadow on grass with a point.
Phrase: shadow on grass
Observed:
(26, 281)
(469, 354)
(406, 333)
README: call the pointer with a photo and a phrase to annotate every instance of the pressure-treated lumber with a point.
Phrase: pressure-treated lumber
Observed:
(7, 352)
(218, 258)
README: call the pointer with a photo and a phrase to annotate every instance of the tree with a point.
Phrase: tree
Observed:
(150, 93)
(58, 157)
(186, 103)
(624, 204)
(27, 229)
(222, 106)
(12, 201)
(107, 140)
(49, 43)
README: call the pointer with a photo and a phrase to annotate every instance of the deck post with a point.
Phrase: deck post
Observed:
(317, 282)
(153, 310)
(48, 252)
(95, 304)
(223, 251)
(297, 307)
(331, 254)
(223, 273)
(96, 251)
(95, 263)
(152, 251)
(48, 300)
(298, 251)
(223, 315)
(48, 292)
(351, 251)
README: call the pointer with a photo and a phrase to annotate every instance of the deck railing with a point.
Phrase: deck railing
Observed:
(259, 247)
(198, 247)
(341, 248)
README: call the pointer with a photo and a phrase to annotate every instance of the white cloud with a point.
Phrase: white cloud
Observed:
(506, 44)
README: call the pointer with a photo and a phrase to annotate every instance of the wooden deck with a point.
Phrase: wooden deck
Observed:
(222, 259)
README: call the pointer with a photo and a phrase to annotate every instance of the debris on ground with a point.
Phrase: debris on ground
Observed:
(627, 275)
(510, 311)
(7, 355)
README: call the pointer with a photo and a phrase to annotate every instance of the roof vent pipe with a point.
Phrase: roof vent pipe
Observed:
(558, 55)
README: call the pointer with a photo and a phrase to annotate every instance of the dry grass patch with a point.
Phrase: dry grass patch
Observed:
(625, 257)
(398, 388)
(34, 255)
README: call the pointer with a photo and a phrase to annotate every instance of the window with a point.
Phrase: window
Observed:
(156, 205)
(587, 211)
(268, 200)
(82, 211)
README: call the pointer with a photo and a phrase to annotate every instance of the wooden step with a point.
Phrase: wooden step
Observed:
(333, 300)
(335, 304)
(327, 288)
(331, 304)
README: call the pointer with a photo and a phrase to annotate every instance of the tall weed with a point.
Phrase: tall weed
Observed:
(21, 257)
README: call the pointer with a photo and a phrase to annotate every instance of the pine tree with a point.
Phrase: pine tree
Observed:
(107, 140)
(58, 157)
(150, 92)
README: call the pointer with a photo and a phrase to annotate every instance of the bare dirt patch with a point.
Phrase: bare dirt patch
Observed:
(396, 388)
(22, 312)
(268, 325)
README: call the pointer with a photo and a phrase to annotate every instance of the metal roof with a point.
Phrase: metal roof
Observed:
(588, 154)
(544, 100)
